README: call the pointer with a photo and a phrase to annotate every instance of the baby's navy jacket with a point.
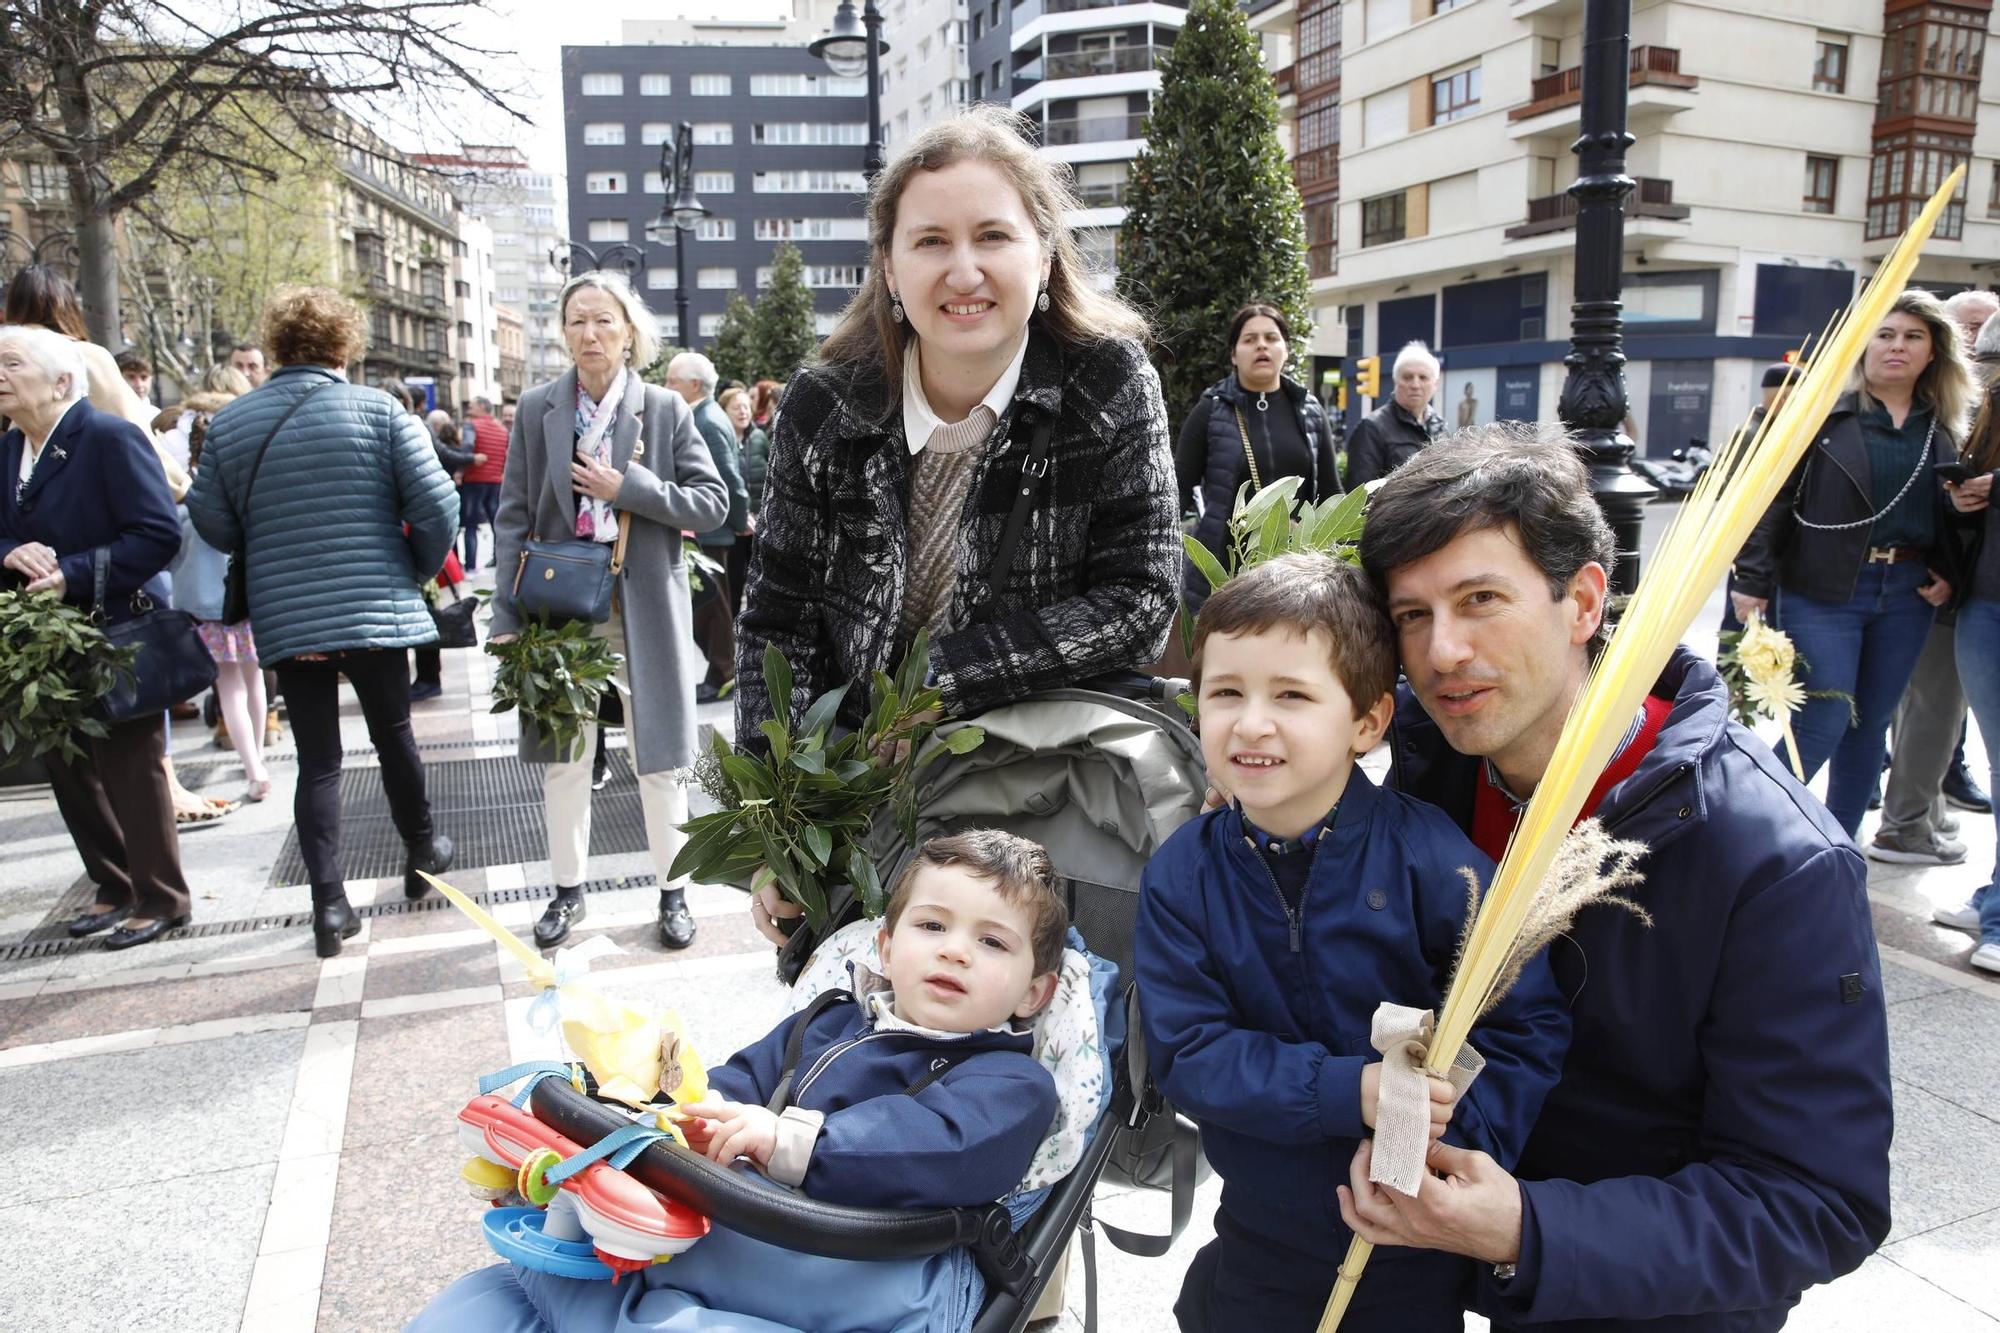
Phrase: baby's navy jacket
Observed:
(966, 1139)
(1259, 1027)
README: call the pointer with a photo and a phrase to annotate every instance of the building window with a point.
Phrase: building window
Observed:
(715, 229)
(1454, 95)
(656, 85)
(808, 182)
(715, 278)
(1446, 6)
(1382, 219)
(715, 132)
(715, 182)
(603, 133)
(603, 85)
(806, 85)
(1822, 177)
(654, 183)
(812, 229)
(1993, 194)
(1907, 168)
(608, 229)
(661, 279)
(604, 182)
(710, 325)
(1830, 67)
(843, 276)
(656, 132)
(710, 85)
(1931, 58)
(822, 132)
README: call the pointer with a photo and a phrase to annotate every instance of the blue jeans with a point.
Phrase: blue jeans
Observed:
(1867, 648)
(1978, 643)
(478, 502)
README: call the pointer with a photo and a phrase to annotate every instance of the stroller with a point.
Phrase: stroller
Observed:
(1099, 775)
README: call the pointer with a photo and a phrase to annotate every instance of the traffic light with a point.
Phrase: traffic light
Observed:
(1368, 376)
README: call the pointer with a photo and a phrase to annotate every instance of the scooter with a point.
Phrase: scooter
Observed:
(1677, 474)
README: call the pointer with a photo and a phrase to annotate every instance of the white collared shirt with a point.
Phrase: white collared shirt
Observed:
(919, 421)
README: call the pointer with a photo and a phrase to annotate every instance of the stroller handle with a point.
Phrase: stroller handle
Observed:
(777, 1217)
(1135, 685)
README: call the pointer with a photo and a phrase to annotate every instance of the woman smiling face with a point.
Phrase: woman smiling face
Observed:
(966, 263)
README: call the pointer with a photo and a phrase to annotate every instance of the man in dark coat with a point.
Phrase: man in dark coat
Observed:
(1392, 434)
(1719, 1140)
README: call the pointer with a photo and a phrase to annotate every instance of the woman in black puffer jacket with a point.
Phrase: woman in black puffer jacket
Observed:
(1256, 425)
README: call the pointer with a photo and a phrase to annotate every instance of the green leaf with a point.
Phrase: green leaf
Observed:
(822, 712)
(819, 842)
(808, 761)
(781, 741)
(964, 740)
(1204, 560)
(750, 777)
(778, 682)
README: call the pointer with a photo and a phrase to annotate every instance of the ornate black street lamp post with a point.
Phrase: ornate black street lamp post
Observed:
(855, 46)
(628, 257)
(679, 219)
(1593, 396)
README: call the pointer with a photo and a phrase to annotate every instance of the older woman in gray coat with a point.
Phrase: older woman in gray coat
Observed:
(596, 452)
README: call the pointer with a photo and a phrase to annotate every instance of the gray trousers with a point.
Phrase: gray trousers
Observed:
(1926, 733)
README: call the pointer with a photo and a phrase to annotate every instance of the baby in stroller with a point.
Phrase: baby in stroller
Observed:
(917, 1090)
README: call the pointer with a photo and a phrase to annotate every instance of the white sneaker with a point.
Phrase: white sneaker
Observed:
(1962, 917)
(1901, 850)
(1986, 958)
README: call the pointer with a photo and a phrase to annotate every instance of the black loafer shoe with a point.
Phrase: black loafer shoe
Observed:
(128, 936)
(676, 922)
(1962, 791)
(89, 923)
(706, 693)
(563, 912)
(433, 858)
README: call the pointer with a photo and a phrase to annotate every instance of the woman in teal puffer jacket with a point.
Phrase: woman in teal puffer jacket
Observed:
(313, 478)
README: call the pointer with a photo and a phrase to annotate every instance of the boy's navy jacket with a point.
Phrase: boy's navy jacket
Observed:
(964, 1140)
(1720, 1138)
(1259, 1027)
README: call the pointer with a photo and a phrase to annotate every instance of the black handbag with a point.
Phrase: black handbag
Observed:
(455, 625)
(235, 580)
(173, 664)
(558, 582)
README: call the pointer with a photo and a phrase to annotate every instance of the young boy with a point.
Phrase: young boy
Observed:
(1270, 930)
(921, 1093)
(970, 943)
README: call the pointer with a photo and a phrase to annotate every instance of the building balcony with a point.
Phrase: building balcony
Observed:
(1089, 64)
(1652, 199)
(1554, 105)
(1522, 9)
(1286, 80)
(1107, 194)
(1031, 10)
(1092, 129)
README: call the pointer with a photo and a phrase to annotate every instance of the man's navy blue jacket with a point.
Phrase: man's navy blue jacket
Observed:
(966, 1139)
(1720, 1138)
(1257, 1024)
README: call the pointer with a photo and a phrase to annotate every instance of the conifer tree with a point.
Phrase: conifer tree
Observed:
(785, 338)
(1213, 218)
(734, 350)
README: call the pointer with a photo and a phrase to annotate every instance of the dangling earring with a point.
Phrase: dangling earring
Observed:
(895, 308)
(1042, 301)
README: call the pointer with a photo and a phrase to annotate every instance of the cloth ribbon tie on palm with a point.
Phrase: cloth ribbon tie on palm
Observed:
(1403, 1104)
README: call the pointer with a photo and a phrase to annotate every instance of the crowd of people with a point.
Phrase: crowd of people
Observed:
(1684, 1121)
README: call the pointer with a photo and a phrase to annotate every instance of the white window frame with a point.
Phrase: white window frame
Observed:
(720, 278)
(656, 85)
(602, 84)
(603, 134)
(710, 85)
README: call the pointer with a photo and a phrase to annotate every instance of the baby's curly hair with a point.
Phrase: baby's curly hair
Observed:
(313, 326)
(1020, 870)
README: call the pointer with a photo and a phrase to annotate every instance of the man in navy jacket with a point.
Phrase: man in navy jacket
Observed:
(1719, 1140)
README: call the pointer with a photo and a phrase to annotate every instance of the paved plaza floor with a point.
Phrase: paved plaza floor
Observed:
(220, 1132)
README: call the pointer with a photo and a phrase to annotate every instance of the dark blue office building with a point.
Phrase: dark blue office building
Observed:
(778, 153)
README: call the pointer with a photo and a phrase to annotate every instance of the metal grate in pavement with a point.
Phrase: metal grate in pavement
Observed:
(490, 808)
(31, 948)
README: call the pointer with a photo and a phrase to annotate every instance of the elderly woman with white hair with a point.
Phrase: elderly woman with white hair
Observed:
(596, 454)
(83, 481)
(1392, 434)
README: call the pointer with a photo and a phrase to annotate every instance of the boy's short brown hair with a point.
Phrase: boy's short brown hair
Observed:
(1307, 591)
(1020, 870)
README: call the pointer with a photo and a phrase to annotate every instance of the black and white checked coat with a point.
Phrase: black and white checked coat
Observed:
(1091, 589)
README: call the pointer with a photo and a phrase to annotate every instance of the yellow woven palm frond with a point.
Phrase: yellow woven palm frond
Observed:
(1714, 522)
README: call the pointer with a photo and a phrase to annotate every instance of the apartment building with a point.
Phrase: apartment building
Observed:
(1084, 72)
(475, 319)
(925, 73)
(778, 150)
(1779, 149)
(398, 239)
(498, 185)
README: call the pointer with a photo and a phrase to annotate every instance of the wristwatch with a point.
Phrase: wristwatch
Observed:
(1504, 1272)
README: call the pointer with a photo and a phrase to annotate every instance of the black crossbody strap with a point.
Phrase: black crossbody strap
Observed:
(265, 447)
(781, 1096)
(1033, 470)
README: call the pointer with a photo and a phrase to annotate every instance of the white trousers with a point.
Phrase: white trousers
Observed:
(566, 799)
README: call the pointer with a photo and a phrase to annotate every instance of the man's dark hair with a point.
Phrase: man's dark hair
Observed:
(1021, 873)
(133, 362)
(1486, 477)
(1306, 591)
(246, 347)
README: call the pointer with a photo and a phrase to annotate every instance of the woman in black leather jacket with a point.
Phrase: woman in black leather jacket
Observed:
(1859, 549)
